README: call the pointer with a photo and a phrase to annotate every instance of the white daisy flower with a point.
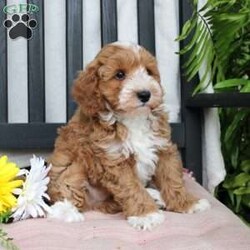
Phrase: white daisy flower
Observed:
(30, 202)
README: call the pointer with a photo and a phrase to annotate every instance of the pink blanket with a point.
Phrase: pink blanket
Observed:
(217, 228)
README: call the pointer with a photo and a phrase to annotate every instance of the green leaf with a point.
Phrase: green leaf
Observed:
(198, 45)
(245, 166)
(234, 157)
(187, 28)
(206, 76)
(199, 32)
(217, 4)
(234, 125)
(238, 203)
(239, 180)
(246, 200)
(4, 217)
(231, 83)
(242, 190)
(231, 196)
(205, 53)
(246, 88)
(205, 7)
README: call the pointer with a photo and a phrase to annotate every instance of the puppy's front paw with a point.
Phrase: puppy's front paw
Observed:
(156, 195)
(65, 211)
(147, 222)
(200, 206)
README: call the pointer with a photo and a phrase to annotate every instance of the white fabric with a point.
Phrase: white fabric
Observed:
(213, 164)
(166, 30)
(55, 60)
(17, 77)
(91, 30)
(127, 14)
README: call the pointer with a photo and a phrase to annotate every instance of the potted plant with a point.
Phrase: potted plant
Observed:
(218, 36)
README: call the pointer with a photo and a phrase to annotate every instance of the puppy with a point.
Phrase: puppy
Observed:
(117, 143)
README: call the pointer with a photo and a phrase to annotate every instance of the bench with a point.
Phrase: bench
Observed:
(217, 228)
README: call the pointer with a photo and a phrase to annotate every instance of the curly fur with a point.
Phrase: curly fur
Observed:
(115, 145)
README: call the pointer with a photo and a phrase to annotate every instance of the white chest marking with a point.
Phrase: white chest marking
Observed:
(144, 144)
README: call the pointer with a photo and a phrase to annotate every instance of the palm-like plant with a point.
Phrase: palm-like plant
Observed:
(218, 37)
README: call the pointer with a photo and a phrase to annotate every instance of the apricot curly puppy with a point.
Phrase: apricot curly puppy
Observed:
(118, 143)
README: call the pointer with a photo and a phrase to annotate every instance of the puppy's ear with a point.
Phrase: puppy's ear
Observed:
(86, 91)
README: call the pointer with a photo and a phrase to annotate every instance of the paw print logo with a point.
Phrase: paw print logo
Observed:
(20, 26)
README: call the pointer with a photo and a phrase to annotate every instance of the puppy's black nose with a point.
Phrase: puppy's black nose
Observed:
(144, 96)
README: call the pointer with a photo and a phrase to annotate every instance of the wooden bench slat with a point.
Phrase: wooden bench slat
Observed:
(42, 135)
(192, 153)
(74, 49)
(36, 79)
(146, 24)
(108, 21)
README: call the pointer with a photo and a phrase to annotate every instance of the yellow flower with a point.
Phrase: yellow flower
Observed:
(8, 173)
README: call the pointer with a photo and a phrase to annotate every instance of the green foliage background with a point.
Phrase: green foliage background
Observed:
(218, 37)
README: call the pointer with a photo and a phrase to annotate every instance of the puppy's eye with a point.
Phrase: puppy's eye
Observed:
(120, 75)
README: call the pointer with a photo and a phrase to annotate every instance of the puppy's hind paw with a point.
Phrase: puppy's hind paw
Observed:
(65, 211)
(147, 222)
(200, 206)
